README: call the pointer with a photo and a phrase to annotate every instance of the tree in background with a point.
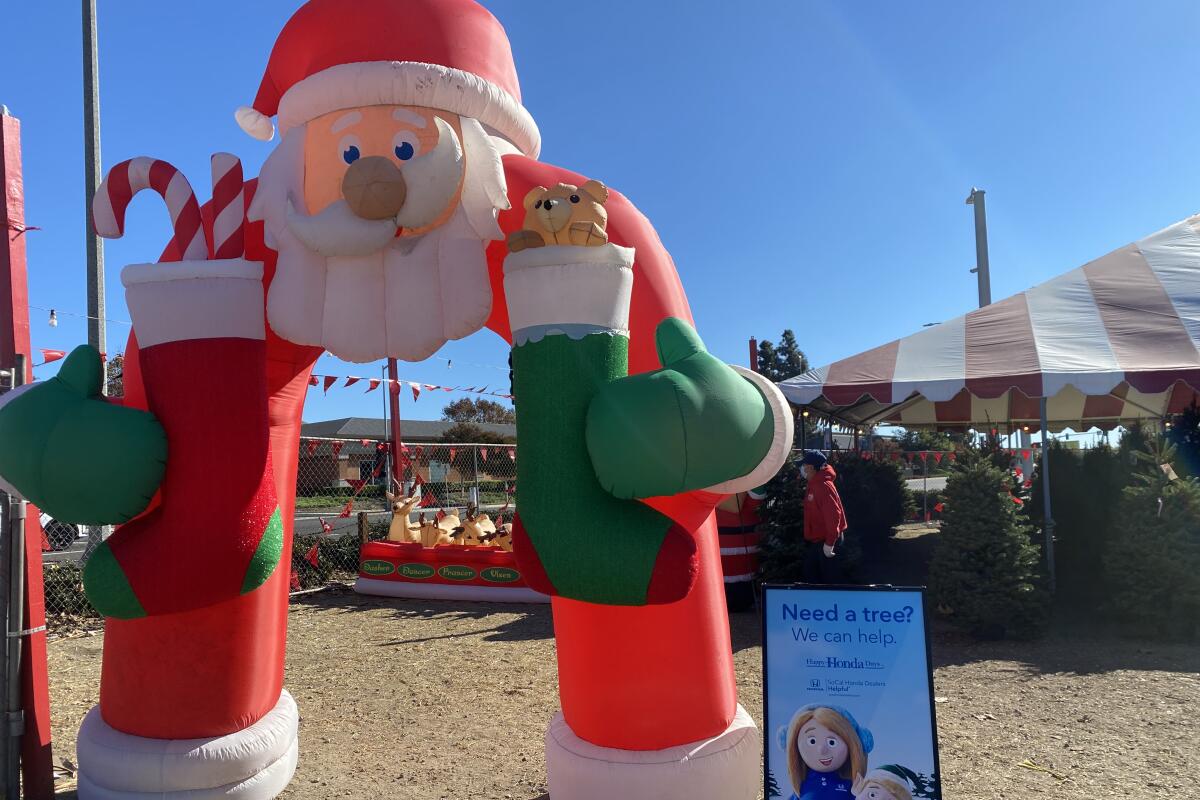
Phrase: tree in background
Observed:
(1184, 433)
(115, 372)
(481, 410)
(1153, 561)
(919, 441)
(985, 573)
(781, 534)
(876, 500)
(783, 362)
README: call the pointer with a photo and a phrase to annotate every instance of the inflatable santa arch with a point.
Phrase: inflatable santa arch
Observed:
(404, 166)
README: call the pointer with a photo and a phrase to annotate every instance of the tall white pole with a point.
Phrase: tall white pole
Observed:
(982, 269)
(97, 335)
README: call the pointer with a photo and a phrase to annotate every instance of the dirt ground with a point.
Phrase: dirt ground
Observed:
(432, 700)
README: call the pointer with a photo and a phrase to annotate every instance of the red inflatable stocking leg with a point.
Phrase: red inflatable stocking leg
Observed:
(218, 532)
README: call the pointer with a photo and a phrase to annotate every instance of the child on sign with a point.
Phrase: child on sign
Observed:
(826, 752)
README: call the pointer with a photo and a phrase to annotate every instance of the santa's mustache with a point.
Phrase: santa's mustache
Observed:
(432, 181)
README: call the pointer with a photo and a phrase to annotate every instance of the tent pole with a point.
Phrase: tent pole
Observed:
(1048, 521)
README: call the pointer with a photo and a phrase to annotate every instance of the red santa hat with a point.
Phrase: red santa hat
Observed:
(451, 55)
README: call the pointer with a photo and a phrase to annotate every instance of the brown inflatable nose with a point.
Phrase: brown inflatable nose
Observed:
(374, 188)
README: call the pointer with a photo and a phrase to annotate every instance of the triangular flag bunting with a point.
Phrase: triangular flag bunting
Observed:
(330, 380)
(430, 387)
(483, 453)
(512, 454)
(325, 526)
(313, 380)
(313, 556)
(1025, 454)
(50, 356)
(416, 390)
(453, 451)
(938, 457)
(953, 456)
(336, 448)
(347, 509)
(365, 442)
(372, 384)
(294, 582)
(311, 445)
(350, 382)
(428, 500)
(940, 507)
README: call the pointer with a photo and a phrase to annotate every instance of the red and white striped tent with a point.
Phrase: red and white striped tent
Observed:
(1113, 341)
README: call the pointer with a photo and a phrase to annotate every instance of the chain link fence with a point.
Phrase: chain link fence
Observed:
(341, 501)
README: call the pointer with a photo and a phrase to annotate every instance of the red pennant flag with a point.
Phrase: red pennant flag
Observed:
(483, 453)
(924, 456)
(313, 556)
(416, 390)
(313, 380)
(418, 450)
(372, 384)
(940, 507)
(294, 582)
(1025, 454)
(441, 515)
(336, 448)
(953, 456)
(938, 457)
(1028, 484)
(375, 473)
(350, 382)
(427, 500)
(330, 380)
(446, 389)
(1018, 471)
(50, 356)
(1017, 500)
(325, 526)
(512, 454)
(895, 456)
(311, 445)
(346, 511)
(471, 389)
(453, 450)
(417, 479)
(430, 387)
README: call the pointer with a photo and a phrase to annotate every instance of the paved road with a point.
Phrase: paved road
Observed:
(935, 484)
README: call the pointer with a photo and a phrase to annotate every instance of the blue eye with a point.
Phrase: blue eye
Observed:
(350, 155)
(404, 151)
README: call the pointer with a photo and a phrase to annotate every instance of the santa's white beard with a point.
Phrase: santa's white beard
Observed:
(378, 296)
(404, 301)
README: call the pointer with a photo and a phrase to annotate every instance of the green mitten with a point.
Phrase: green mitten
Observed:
(693, 424)
(74, 455)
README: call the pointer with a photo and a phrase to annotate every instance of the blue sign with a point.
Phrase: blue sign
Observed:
(848, 694)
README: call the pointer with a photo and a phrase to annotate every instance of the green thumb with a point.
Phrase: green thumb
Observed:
(676, 340)
(81, 371)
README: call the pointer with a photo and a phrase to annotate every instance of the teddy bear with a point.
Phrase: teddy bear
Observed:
(565, 214)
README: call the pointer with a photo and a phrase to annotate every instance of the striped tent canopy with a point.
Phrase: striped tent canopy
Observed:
(1113, 341)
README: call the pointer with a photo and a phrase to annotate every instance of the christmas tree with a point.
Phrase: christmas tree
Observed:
(772, 786)
(781, 542)
(1153, 561)
(985, 570)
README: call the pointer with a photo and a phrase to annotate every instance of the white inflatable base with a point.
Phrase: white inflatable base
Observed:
(725, 767)
(255, 763)
(442, 591)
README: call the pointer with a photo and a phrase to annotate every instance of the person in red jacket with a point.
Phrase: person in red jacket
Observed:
(824, 520)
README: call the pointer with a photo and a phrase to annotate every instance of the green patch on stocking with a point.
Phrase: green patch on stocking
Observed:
(266, 557)
(107, 588)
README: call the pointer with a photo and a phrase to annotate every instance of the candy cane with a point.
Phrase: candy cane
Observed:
(228, 206)
(130, 177)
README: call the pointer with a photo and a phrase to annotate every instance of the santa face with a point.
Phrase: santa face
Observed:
(821, 749)
(381, 216)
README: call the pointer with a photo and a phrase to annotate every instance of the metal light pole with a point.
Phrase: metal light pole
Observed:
(97, 336)
(975, 198)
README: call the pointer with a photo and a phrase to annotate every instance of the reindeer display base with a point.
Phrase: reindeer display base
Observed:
(725, 767)
(442, 591)
(255, 763)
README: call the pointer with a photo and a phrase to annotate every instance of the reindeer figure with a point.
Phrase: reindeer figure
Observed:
(501, 537)
(401, 530)
(474, 529)
(438, 531)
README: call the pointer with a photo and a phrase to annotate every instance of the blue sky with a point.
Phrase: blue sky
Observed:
(804, 162)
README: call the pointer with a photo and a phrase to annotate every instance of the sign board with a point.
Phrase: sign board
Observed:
(848, 690)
